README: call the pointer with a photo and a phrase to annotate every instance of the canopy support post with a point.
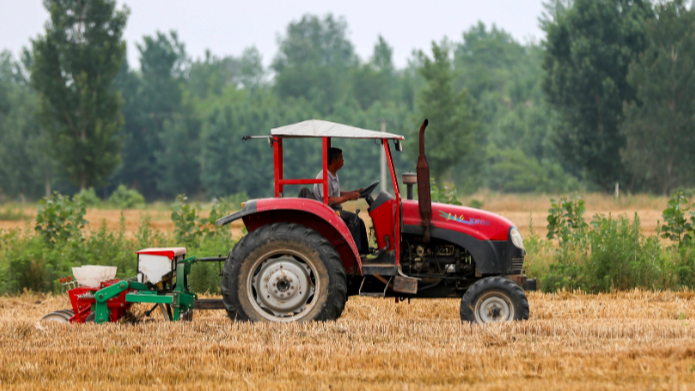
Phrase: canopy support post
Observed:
(326, 145)
(277, 155)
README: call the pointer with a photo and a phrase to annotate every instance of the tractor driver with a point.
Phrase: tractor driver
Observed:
(336, 197)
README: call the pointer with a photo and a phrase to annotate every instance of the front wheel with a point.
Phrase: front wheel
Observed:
(494, 299)
(283, 273)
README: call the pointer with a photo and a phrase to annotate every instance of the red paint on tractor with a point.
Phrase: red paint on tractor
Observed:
(82, 299)
(382, 220)
(279, 175)
(396, 244)
(169, 252)
(477, 223)
(312, 214)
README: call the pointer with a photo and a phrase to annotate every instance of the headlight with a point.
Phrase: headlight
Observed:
(516, 238)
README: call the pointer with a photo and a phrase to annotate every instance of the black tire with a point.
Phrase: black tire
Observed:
(290, 245)
(494, 299)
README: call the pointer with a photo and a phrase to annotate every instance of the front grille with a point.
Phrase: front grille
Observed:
(517, 264)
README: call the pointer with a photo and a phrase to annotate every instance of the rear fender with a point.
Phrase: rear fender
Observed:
(307, 212)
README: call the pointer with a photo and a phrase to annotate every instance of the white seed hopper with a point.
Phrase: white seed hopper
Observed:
(90, 275)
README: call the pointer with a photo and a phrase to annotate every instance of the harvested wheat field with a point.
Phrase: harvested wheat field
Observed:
(622, 341)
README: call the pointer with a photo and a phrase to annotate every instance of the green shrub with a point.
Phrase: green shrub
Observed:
(477, 204)
(684, 262)
(512, 170)
(60, 219)
(12, 213)
(445, 195)
(233, 202)
(537, 254)
(185, 217)
(622, 258)
(205, 277)
(146, 237)
(190, 227)
(566, 219)
(676, 226)
(125, 198)
(613, 255)
(89, 196)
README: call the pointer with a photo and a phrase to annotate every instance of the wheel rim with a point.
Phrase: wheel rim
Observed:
(57, 317)
(282, 286)
(494, 307)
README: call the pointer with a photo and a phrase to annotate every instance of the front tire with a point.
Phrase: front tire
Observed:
(284, 273)
(494, 299)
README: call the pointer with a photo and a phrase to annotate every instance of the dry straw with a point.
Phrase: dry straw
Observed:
(573, 341)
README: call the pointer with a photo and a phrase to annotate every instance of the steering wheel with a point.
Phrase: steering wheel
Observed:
(368, 190)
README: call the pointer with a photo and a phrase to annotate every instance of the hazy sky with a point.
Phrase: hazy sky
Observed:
(227, 27)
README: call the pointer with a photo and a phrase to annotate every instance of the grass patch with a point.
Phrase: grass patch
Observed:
(13, 213)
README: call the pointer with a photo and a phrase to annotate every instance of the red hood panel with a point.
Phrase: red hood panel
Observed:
(477, 223)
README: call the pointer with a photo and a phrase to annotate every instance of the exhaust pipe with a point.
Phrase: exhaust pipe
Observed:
(423, 186)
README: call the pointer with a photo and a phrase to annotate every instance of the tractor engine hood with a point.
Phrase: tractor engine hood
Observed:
(477, 223)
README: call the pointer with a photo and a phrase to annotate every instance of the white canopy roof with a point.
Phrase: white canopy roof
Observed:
(318, 128)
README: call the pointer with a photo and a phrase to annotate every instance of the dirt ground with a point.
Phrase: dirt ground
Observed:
(517, 208)
(625, 341)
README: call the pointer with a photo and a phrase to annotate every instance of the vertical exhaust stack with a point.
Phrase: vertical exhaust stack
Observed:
(423, 186)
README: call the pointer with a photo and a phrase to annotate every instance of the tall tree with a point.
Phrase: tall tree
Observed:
(177, 159)
(213, 74)
(660, 124)
(152, 98)
(486, 59)
(314, 60)
(25, 170)
(375, 81)
(588, 50)
(451, 135)
(75, 64)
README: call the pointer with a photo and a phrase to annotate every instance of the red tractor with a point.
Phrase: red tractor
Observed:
(299, 261)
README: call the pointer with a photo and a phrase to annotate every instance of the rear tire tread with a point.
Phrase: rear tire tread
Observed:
(337, 293)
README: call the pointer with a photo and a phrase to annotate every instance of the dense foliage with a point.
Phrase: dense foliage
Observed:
(62, 238)
(605, 98)
(611, 253)
(659, 124)
(73, 70)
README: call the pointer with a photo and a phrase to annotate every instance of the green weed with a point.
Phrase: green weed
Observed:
(125, 198)
(11, 213)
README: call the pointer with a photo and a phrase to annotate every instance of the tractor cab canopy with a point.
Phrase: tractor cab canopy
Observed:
(325, 130)
(318, 128)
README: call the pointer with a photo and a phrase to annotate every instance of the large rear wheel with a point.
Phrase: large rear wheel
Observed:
(283, 273)
(494, 299)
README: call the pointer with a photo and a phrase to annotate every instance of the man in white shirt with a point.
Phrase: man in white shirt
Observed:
(337, 197)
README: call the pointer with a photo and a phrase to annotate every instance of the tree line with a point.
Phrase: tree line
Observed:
(606, 97)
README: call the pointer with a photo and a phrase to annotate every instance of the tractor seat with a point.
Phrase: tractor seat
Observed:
(306, 193)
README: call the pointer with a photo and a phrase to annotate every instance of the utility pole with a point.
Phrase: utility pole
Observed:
(383, 159)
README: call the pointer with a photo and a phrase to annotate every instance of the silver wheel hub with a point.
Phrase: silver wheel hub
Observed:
(494, 307)
(283, 286)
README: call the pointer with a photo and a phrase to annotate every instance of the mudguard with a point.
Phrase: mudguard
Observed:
(310, 213)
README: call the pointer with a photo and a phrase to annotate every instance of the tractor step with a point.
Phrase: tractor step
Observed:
(383, 269)
(375, 291)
